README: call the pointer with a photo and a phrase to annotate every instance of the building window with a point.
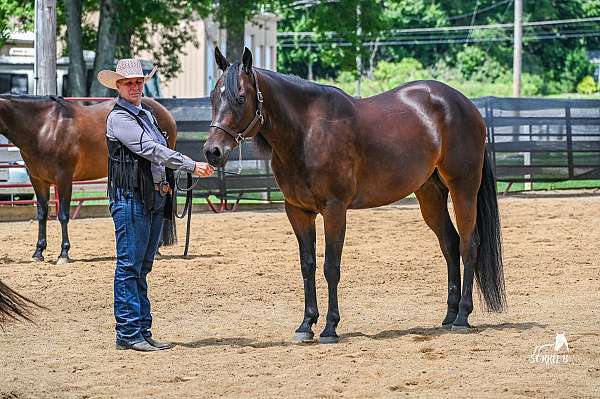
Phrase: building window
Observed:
(11, 83)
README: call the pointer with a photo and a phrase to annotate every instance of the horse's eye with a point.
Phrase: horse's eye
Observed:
(241, 99)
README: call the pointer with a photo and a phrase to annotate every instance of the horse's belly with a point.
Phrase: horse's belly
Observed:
(378, 189)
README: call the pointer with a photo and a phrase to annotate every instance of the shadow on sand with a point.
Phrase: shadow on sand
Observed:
(420, 333)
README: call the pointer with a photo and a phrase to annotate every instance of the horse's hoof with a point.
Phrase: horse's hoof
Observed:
(63, 261)
(303, 337)
(329, 340)
(447, 326)
(37, 258)
(461, 329)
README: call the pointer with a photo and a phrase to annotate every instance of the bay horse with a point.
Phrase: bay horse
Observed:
(331, 152)
(62, 142)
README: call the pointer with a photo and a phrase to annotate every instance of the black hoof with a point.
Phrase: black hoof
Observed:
(447, 326)
(461, 329)
(63, 261)
(38, 258)
(329, 340)
(449, 319)
(303, 337)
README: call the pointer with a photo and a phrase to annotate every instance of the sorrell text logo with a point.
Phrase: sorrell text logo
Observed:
(548, 354)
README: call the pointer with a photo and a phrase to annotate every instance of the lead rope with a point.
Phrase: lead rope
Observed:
(187, 208)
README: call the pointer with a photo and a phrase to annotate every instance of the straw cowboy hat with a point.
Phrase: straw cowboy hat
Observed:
(126, 69)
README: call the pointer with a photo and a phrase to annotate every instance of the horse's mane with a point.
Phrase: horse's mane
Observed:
(232, 83)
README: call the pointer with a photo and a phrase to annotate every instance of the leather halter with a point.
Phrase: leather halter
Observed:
(240, 137)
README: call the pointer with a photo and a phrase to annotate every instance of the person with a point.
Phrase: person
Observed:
(140, 181)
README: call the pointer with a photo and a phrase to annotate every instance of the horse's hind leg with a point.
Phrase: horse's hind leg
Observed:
(303, 223)
(65, 190)
(433, 201)
(42, 194)
(464, 200)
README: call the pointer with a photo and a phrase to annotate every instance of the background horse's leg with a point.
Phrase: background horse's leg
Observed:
(334, 218)
(65, 189)
(433, 201)
(42, 194)
(303, 223)
(464, 199)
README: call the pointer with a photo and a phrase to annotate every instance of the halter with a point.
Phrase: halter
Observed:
(242, 136)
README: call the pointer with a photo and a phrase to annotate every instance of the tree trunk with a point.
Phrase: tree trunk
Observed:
(77, 69)
(45, 47)
(105, 46)
(235, 25)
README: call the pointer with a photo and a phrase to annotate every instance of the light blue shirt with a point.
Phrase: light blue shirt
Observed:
(147, 142)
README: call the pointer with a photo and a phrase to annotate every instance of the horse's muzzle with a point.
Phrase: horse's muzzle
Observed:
(216, 157)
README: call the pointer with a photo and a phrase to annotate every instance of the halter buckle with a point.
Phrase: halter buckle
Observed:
(259, 96)
(239, 138)
(260, 116)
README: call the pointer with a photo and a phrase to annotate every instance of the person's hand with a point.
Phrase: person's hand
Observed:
(203, 169)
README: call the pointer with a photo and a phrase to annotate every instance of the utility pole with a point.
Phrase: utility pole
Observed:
(45, 47)
(358, 49)
(518, 48)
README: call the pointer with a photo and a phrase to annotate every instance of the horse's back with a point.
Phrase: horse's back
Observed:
(401, 136)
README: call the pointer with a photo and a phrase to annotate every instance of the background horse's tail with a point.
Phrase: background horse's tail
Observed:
(489, 273)
(169, 231)
(14, 305)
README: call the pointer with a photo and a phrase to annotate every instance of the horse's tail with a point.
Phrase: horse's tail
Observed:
(14, 305)
(489, 273)
(169, 231)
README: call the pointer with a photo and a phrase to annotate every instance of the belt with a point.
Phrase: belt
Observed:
(163, 188)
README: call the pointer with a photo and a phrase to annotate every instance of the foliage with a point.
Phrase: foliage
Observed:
(15, 16)
(554, 56)
(587, 86)
(142, 24)
(388, 75)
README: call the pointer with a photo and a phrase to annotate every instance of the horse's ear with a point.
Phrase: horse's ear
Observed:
(221, 60)
(247, 60)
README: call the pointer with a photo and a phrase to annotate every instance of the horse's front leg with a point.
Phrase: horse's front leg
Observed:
(65, 190)
(303, 223)
(334, 218)
(42, 194)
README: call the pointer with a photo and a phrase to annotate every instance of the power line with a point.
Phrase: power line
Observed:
(463, 27)
(463, 40)
(448, 36)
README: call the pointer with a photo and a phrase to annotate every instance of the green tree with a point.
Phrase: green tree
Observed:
(15, 15)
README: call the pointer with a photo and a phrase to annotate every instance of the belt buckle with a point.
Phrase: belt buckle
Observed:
(163, 188)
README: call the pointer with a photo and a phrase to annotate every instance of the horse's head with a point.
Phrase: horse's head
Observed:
(236, 108)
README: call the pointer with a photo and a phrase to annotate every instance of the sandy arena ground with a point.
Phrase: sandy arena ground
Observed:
(233, 305)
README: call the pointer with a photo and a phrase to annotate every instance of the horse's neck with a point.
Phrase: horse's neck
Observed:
(285, 127)
(19, 123)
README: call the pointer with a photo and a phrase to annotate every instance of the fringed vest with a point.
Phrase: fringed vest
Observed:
(131, 172)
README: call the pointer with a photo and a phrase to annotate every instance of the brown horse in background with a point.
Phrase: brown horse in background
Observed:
(62, 142)
(332, 152)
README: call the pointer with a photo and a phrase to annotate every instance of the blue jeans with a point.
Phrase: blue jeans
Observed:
(137, 237)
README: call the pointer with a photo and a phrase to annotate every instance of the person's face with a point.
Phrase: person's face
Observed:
(131, 89)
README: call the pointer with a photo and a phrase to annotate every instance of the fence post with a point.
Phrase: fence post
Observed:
(569, 141)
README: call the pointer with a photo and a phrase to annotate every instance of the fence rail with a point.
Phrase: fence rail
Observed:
(543, 140)
(530, 140)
